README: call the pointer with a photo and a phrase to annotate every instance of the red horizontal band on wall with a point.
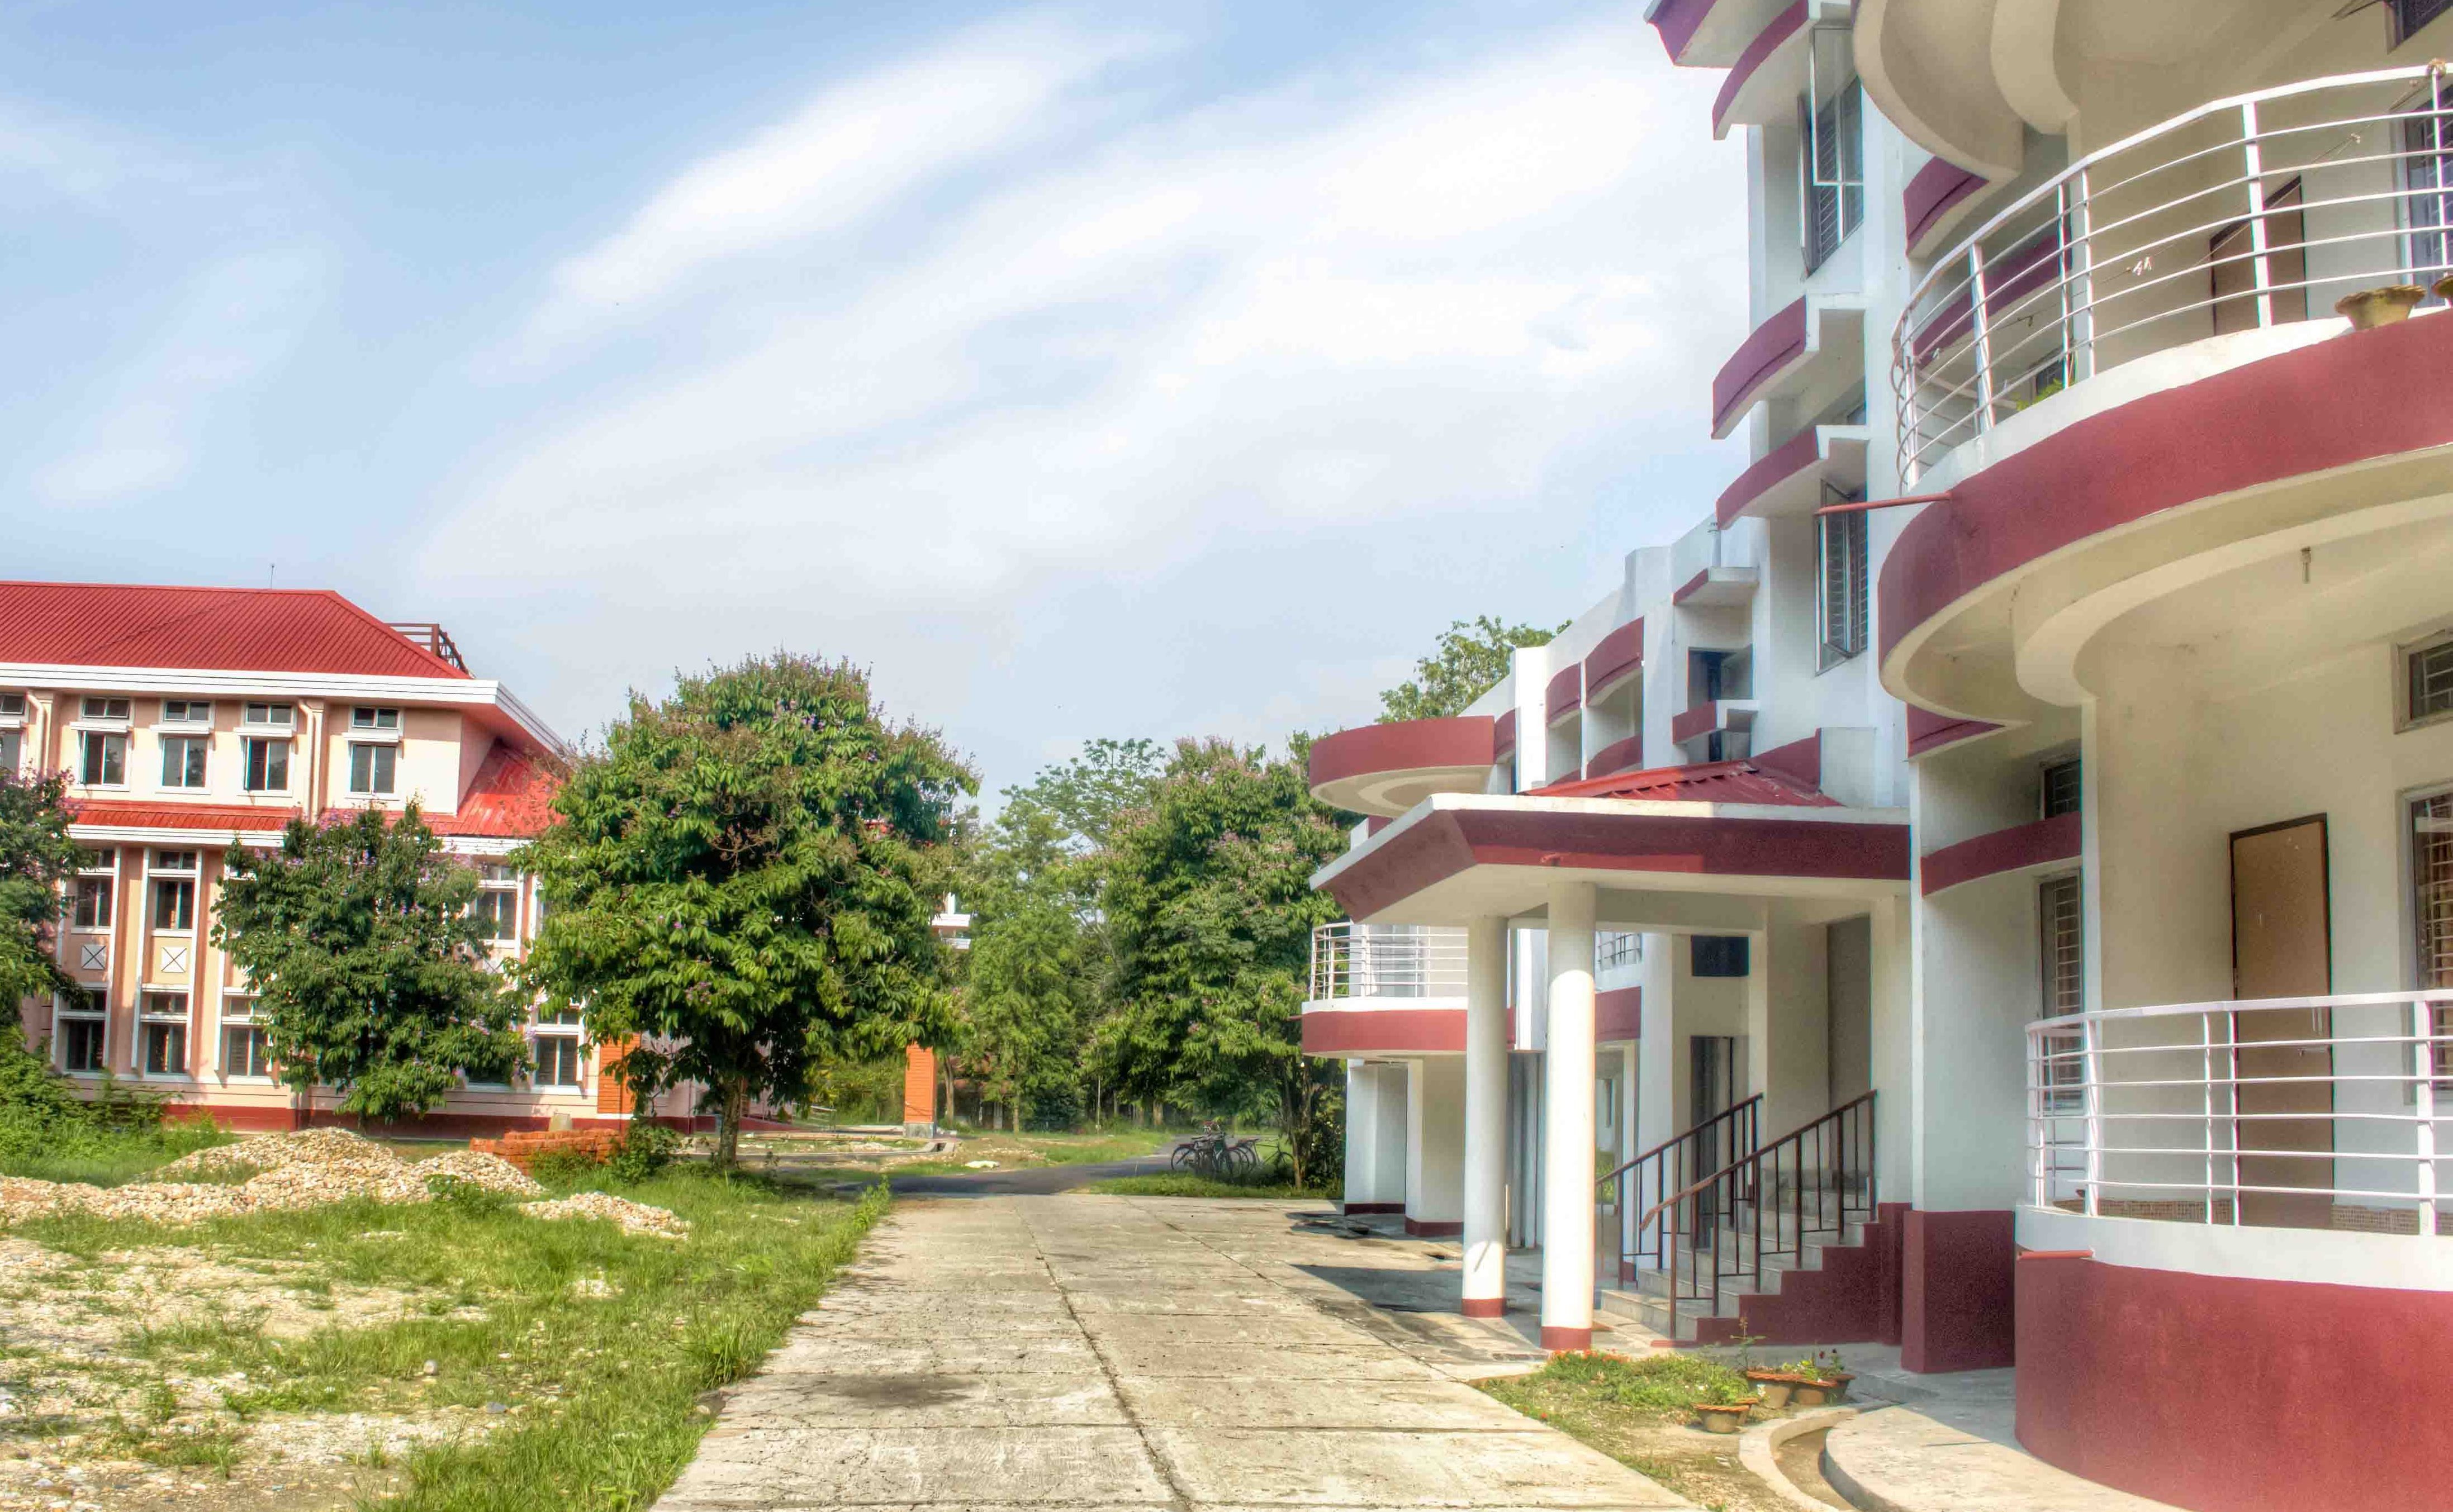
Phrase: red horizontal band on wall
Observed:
(1688, 723)
(1383, 1031)
(1502, 736)
(1619, 756)
(1801, 759)
(1618, 1014)
(2034, 843)
(1404, 747)
(1615, 654)
(1678, 20)
(1779, 465)
(1564, 695)
(1932, 192)
(1930, 731)
(1772, 345)
(2057, 1253)
(1766, 42)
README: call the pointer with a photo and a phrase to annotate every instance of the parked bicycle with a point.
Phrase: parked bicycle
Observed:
(1217, 1155)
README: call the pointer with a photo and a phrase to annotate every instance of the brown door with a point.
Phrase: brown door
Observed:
(2281, 946)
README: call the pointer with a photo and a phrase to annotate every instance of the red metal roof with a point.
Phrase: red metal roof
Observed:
(225, 630)
(510, 799)
(1731, 782)
(216, 817)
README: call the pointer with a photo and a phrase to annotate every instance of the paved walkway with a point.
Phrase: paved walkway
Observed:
(1115, 1352)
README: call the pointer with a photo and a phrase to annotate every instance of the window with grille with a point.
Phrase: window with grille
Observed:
(1718, 955)
(1833, 164)
(373, 769)
(2064, 785)
(164, 1034)
(2431, 893)
(557, 1060)
(1614, 948)
(2409, 15)
(82, 1030)
(93, 902)
(2427, 671)
(2061, 1073)
(498, 913)
(267, 765)
(1843, 603)
(245, 1045)
(102, 758)
(2427, 181)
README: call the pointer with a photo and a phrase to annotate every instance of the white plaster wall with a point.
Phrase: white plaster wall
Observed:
(1435, 1138)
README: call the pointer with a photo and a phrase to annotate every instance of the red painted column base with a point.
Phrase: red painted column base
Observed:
(1352, 1208)
(1484, 1306)
(1434, 1227)
(1559, 1340)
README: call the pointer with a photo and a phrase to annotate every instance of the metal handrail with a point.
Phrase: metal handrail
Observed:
(1376, 961)
(2102, 263)
(2325, 1123)
(1824, 1169)
(1671, 1164)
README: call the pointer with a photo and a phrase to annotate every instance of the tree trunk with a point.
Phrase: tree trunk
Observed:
(727, 1126)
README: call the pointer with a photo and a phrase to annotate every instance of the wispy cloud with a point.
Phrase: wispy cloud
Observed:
(232, 326)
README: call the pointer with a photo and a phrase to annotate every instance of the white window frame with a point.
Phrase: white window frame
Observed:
(249, 745)
(109, 872)
(1848, 209)
(147, 1020)
(236, 1010)
(566, 1024)
(164, 743)
(105, 733)
(62, 1014)
(2044, 770)
(2406, 660)
(12, 732)
(191, 714)
(88, 719)
(192, 874)
(12, 708)
(1842, 630)
(376, 750)
(379, 722)
(498, 880)
(286, 723)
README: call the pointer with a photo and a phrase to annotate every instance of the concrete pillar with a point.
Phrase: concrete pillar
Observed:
(1435, 1146)
(1568, 1124)
(1486, 1119)
(1375, 1138)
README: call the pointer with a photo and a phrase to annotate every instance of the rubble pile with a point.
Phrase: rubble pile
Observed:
(637, 1218)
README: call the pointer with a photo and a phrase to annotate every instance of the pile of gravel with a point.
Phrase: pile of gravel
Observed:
(303, 1168)
(636, 1217)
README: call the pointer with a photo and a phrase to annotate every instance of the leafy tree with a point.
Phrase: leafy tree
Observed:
(743, 879)
(1469, 661)
(362, 940)
(36, 856)
(1083, 798)
(1031, 981)
(1213, 909)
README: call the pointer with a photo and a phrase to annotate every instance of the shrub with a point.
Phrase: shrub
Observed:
(564, 1168)
(646, 1149)
(1664, 1383)
(465, 1194)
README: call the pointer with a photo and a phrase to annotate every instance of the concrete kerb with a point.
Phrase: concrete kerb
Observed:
(1758, 1449)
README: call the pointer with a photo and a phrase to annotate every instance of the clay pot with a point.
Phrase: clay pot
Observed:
(1724, 1417)
(1804, 1393)
(1840, 1380)
(2443, 289)
(2372, 307)
(1773, 1387)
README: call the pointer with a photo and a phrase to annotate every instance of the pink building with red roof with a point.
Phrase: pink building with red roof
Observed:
(190, 717)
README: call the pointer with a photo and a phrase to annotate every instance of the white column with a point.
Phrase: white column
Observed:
(1486, 1118)
(1362, 1123)
(1567, 1124)
(1434, 1146)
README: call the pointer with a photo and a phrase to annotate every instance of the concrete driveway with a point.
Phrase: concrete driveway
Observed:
(1117, 1352)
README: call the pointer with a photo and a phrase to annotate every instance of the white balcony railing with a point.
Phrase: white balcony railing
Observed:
(1386, 961)
(2321, 1112)
(2251, 212)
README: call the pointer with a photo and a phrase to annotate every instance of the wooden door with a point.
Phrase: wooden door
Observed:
(2281, 946)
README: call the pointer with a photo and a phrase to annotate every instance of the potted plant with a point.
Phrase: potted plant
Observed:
(1817, 1379)
(1723, 1411)
(1826, 1366)
(2372, 307)
(1773, 1387)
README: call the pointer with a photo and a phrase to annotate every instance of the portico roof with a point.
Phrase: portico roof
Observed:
(1720, 830)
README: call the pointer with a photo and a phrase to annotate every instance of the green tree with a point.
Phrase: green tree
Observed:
(1031, 981)
(1083, 797)
(1213, 909)
(362, 940)
(742, 881)
(36, 856)
(1469, 661)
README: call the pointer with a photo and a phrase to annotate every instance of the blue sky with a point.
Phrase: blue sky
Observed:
(1085, 370)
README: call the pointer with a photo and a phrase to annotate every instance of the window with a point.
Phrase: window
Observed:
(82, 1030)
(1617, 948)
(2063, 787)
(109, 708)
(557, 1060)
(2427, 681)
(175, 860)
(2063, 946)
(244, 1046)
(1715, 675)
(174, 896)
(187, 711)
(1831, 165)
(102, 758)
(13, 706)
(183, 761)
(92, 909)
(498, 910)
(2409, 15)
(271, 716)
(13, 742)
(164, 1029)
(1717, 955)
(267, 765)
(1841, 582)
(2427, 178)
(2431, 893)
(374, 718)
(372, 768)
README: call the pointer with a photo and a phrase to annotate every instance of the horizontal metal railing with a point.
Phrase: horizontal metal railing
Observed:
(2284, 1112)
(1351, 960)
(1637, 1187)
(2247, 212)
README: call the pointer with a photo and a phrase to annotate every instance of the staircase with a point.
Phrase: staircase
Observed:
(1781, 1242)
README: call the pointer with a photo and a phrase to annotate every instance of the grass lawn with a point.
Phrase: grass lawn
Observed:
(487, 1360)
(1637, 1412)
(1183, 1184)
(1030, 1151)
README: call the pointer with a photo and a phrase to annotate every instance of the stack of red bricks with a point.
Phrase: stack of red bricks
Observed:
(522, 1148)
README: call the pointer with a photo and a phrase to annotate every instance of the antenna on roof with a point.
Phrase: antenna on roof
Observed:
(268, 574)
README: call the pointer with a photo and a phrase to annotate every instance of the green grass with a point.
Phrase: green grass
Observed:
(100, 1156)
(602, 1389)
(1179, 1185)
(1665, 1384)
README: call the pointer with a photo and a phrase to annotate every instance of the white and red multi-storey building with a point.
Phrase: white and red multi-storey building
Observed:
(189, 718)
(1990, 884)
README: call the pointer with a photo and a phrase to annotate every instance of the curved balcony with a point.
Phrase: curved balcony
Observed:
(1385, 769)
(1791, 478)
(1710, 33)
(1385, 989)
(1809, 351)
(1938, 197)
(2212, 240)
(1763, 84)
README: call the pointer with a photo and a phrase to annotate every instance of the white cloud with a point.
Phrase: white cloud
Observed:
(1338, 310)
(232, 325)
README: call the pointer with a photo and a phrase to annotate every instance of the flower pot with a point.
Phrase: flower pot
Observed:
(2443, 289)
(1772, 1386)
(1804, 1393)
(1840, 1380)
(1723, 1417)
(2372, 307)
